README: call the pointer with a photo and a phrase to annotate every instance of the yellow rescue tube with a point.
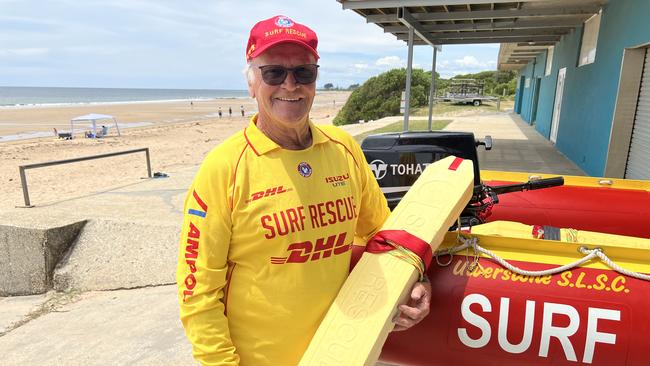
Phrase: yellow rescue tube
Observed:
(518, 230)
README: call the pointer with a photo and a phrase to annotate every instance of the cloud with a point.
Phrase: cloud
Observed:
(469, 61)
(32, 51)
(391, 61)
(466, 64)
(333, 41)
(95, 50)
(196, 44)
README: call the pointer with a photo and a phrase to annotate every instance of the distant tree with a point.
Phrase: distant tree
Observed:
(380, 96)
(504, 76)
(441, 84)
(353, 86)
(495, 82)
(328, 86)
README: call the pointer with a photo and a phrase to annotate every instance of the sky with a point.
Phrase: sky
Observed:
(194, 44)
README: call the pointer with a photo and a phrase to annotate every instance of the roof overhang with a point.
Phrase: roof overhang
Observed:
(524, 28)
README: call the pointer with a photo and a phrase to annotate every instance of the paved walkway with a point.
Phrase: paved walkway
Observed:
(517, 146)
(140, 326)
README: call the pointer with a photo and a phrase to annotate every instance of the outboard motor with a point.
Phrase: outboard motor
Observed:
(397, 159)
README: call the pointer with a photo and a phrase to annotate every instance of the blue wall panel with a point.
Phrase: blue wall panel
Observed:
(531, 71)
(564, 55)
(526, 72)
(518, 92)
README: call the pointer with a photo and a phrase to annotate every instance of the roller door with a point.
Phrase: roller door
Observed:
(638, 160)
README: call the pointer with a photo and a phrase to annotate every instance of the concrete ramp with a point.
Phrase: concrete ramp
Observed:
(125, 327)
(112, 255)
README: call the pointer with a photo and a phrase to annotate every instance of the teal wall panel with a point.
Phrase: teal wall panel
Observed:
(590, 91)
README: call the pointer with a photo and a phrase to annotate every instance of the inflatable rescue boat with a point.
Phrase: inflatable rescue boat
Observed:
(538, 270)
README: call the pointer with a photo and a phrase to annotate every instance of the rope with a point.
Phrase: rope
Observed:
(409, 257)
(472, 242)
(615, 266)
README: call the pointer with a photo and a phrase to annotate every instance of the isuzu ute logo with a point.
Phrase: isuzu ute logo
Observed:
(379, 168)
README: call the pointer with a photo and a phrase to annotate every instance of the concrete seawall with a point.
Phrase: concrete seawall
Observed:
(28, 256)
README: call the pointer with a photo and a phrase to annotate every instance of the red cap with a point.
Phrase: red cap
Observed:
(279, 29)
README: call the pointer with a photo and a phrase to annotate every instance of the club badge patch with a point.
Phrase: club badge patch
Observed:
(304, 169)
(284, 22)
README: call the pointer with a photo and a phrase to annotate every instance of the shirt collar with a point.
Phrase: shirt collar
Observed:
(261, 144)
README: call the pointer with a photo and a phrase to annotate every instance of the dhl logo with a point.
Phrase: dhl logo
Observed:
(268, 192)
(302, 252)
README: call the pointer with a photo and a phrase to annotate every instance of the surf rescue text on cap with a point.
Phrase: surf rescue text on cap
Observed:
(279, 29)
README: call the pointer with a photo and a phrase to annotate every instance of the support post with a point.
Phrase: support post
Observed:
(432, 89)
(409, 67)
(23, 182)
(117, 127)
(148, 163)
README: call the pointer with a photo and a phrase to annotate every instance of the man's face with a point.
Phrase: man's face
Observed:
(287, 104)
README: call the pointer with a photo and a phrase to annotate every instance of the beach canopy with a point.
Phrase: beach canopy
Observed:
(93, 117)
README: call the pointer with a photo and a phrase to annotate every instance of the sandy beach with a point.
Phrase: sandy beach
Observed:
(177, 134)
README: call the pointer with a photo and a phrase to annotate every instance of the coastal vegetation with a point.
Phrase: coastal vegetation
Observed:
(380, 95)
(414, 125)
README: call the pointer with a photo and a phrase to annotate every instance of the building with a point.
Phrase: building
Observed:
(589, 92)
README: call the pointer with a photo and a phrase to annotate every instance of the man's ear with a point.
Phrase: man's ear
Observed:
(250, 79)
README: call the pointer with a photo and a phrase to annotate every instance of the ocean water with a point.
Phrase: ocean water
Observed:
(16, 96)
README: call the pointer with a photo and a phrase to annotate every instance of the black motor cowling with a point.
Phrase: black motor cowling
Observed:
(397, 159)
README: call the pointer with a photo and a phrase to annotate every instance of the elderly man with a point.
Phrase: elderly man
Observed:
(272, 215)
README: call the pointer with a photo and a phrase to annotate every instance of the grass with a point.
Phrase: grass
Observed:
(414, 125)
(447, 108)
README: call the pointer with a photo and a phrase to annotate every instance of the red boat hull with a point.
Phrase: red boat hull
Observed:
(606, 210)
(589, 315)
(584, 316)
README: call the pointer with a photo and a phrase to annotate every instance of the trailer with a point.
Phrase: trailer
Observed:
(468, 91)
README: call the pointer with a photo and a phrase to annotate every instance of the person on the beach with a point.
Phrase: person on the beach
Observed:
(219, 112)
(272, 215)
(230, 111)
(241, 108)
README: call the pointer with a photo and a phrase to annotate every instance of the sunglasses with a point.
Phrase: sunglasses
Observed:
(276, 74)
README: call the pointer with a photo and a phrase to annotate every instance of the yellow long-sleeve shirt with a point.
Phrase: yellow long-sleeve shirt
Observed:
(266, 241)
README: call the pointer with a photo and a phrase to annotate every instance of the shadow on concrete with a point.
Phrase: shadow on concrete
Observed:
(93, 194)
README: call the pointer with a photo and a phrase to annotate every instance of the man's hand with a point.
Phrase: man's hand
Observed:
(416, 309)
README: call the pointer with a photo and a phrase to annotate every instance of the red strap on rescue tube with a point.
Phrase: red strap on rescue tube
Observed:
(379, 244)
(455, 164)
